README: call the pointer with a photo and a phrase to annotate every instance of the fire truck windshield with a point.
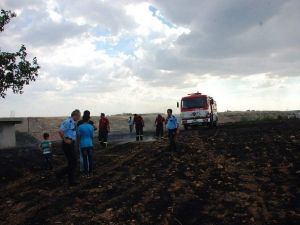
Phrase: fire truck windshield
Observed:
(194, 103)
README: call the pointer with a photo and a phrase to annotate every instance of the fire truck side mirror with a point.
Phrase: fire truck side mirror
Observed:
(177, 104)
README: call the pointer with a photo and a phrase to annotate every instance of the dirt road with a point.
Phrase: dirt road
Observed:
(243, 173)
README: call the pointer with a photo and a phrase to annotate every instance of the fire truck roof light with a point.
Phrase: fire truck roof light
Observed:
(198, 93)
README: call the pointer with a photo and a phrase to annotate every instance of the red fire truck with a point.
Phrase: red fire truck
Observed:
(197, 109)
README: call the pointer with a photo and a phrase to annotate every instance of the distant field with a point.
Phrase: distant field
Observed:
(243, 116)
(35, 126)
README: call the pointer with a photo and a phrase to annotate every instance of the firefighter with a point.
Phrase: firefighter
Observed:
(104, 129)
(173, 129)
(159, 123)
(139, 125)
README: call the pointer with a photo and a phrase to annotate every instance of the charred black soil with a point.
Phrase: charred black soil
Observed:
(240, 173)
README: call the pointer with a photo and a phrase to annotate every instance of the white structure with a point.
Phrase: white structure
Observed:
(8, 132)
(294, 115)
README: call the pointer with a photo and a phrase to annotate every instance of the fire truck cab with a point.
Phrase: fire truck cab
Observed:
(197, 109)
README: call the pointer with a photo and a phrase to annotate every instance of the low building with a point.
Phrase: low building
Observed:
(8, 132)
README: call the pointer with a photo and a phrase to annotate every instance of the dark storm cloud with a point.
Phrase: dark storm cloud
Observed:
(233, 37)
(227, 15)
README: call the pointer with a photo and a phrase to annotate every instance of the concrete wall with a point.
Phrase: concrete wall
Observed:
(7, 135)
(36, 126)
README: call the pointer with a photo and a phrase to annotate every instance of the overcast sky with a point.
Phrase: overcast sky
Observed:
(143, 56)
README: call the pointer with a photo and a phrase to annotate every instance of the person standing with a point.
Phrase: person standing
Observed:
(130, 124)
(172, 126)
(67, 133)
(139, 127)
(104, 129)
(159, 123)
(85, 135)
(46, 147)
(86, 114)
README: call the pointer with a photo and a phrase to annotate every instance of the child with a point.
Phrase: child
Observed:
(46, 147)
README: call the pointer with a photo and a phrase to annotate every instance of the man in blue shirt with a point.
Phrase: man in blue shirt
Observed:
(68, 134)
(86, 114)
(86, 135)
(172, 126)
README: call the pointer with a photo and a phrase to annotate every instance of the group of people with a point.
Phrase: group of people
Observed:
(170, 123)
(78, 133)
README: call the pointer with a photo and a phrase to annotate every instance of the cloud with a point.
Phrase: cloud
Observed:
(98, 13)
(236, 37)
(143, 55)
(47, 32)
(18, 5)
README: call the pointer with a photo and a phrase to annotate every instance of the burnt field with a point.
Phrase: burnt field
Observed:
(239, 173)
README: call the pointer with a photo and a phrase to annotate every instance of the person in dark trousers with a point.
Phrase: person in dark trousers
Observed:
(139, 126)
(159, 123)
(85, 135)
(172, 126)
(86, 114)
(46, 147)
(68, 134)
(104, 129)
(130, 124)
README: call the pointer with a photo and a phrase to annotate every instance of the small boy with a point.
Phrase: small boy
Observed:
(46, 147)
